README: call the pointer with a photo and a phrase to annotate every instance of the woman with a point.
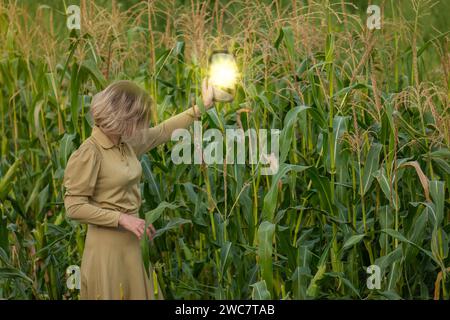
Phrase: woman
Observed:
(102, 189)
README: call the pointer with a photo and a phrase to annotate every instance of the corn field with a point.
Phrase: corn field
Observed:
(364, 163)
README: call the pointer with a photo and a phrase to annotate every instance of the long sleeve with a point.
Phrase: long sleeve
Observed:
(80, 178)
(149, 138)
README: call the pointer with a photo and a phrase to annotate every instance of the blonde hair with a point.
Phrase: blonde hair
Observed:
(122, 108)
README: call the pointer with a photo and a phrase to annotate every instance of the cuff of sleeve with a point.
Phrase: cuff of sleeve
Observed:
(115, 218)
(191, 112)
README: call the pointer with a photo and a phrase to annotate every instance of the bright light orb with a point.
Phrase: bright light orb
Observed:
(223, 71)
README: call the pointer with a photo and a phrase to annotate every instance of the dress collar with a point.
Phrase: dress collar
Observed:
(102, 138)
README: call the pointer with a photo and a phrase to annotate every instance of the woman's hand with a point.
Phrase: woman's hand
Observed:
(207, 94)
(136, 225)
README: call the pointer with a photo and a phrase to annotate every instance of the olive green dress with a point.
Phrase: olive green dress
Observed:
(101, 181)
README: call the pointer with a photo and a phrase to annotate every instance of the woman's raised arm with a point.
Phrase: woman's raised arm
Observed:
(149, 138)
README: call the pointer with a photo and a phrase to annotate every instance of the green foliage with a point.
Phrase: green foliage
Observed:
(364, 148)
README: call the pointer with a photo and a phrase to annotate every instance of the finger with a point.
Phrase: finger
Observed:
(150, 233)
(136, 232)
(208, 86)
(211, 92)
(206, 91)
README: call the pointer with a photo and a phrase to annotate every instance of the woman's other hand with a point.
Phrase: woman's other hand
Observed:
(136, 226)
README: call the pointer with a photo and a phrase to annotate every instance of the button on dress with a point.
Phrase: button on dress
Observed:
(101, 181)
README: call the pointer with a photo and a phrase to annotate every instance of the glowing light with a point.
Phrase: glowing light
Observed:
(223, 71)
